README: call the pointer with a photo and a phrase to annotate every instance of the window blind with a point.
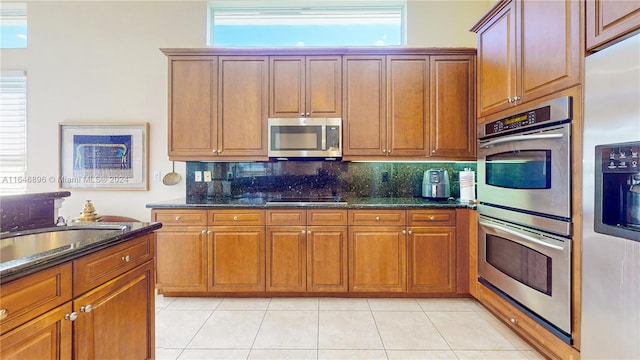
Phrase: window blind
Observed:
(13, 132)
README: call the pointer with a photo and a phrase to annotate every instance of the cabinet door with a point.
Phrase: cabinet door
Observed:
(497, 61)
(452, 121)
(287, 86)
(408, 105)
(117, 319)
(550, 47)
(327, 258)
(432, 260)
(243, 106)
(45, 337)
(286, 258)
(377, 259)
(181, 258)
(323, 87)
(364, 122)
(236, 258)
(192, 107)
(610, 20)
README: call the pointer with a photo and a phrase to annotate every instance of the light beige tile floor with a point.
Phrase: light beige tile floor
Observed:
(331, 328)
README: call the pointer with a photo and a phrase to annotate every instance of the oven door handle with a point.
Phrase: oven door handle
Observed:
(521, 138)
(520, 235)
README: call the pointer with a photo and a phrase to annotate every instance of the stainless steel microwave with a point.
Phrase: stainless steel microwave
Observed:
(305, 138)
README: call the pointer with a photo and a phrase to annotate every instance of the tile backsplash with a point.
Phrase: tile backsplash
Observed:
(314, 178)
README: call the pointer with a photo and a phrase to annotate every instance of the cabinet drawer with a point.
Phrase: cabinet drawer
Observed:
(327, 217)
(236, 217)
(286, 217)
(180, 217)
(432, 217)
(102, 266)
(32, 295)
(377, 217)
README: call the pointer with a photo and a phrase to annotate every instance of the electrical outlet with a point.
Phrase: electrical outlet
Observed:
(157, 175)
(207, 176)
(198, 176)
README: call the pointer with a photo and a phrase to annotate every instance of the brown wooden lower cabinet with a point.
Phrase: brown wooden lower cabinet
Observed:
(286, 258)
(377, 259)
(116, 320)
(544, 341)
(113, 319)
(304, 258)
(432, 260)
(45, 337)
(327, 259)
(236, 258)
(307, 250)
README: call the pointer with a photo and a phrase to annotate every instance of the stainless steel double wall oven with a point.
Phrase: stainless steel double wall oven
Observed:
(524, 190)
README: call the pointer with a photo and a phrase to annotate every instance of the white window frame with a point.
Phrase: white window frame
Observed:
(302, 5)
(14, 13)
(13, 132)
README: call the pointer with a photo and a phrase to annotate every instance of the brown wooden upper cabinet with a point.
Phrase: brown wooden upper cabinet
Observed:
(193, 86)
(527, 49)
(409, 106)
(608, 21)
(218, 107)
(305, 86)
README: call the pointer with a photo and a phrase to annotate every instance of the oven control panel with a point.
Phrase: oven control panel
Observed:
(550, 112)
(529, 118)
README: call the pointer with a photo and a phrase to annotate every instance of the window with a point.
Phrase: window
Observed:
(13, 25)
(308, 26)
(13, 132)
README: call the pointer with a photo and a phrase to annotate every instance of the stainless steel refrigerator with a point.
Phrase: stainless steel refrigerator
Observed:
(611, 263)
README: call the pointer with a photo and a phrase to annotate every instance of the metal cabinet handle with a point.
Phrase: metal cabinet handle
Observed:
(3, 314)
(384, 151)
(303, 232)
(509, 100)
(126, 258)
(86, 308)
(308, 232)
(302, 114)
(516, 98)
(71, 316)
(410, 232)
(235, 218)
(178, 218)
(513, 320)
(377, 218)
(204, 232)
(404, 231)
(209, 232)
(432, 217)
(389, 152)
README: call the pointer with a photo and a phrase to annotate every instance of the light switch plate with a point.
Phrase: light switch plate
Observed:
(207, 176)
(198, 176)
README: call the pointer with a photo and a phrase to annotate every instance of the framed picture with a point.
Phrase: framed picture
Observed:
(104, 156)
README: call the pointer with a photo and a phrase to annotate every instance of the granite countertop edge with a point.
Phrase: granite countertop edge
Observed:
(19, 268)
(356, 203)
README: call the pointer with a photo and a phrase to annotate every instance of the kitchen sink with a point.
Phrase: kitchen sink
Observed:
(19, 245)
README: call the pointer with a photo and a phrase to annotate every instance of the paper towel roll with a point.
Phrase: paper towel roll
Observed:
(467, 185)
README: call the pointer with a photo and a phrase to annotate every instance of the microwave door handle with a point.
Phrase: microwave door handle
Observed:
(324, 138)
(521, 138)
(520, 235)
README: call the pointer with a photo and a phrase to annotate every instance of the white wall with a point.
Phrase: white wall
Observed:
(100, 61)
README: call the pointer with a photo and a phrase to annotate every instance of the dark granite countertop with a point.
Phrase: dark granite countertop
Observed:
(346, 203)
(40, 259)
